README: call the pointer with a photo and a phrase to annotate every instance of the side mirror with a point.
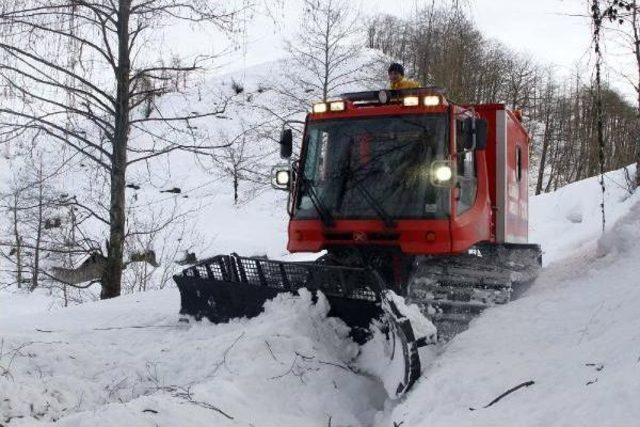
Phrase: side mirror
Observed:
(475, 134)
(481, 134)
(286, 143)
(281, 178)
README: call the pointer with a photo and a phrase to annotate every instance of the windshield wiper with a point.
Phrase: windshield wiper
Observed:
(350, 175)
(323, 212)
(374, 204)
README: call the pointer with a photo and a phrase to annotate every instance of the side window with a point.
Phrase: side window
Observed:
(315, 164)
(322, 161)
(316, 156)
(518, 163)
(466, 165)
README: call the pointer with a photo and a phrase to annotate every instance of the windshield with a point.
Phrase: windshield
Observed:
(374, 168)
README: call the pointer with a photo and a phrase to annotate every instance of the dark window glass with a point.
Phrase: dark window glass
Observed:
(352, 165)
(466, 169)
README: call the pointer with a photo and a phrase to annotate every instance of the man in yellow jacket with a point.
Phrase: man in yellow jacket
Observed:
(397, 79)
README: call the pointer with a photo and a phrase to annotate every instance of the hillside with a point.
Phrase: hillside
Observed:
(129, 361)
(574, 333)
(181, 201)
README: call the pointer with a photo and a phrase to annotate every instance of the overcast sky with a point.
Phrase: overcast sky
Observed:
(542, 27)
(547, 30)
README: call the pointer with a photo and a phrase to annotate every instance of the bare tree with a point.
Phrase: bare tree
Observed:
(325, 51)
(521, 75)
(35, 221)
(77, 71)
(440, 45)
(625, 13)
(12, 250)
(241, 161)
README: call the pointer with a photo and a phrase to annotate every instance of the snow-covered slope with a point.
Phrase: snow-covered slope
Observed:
(574, 333)
(130, 362)
(182, 201)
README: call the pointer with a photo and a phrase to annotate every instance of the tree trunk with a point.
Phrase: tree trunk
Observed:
(636, 39)
(235, 188)
(112, 279)
(40, 218)
(599, 113)
(545, 148)
(18, 241)
(325, 77)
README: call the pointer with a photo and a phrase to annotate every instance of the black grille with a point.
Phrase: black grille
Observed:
(337, 281)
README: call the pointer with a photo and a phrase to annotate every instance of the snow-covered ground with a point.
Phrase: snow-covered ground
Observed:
(575, 334)
(130, 362)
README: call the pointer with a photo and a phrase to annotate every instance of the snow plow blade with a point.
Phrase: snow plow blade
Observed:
(229, 286)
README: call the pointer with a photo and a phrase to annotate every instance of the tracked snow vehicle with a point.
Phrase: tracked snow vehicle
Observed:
(407, 192)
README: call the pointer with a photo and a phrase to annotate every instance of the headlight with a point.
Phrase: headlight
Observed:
(431, 100)
(320, 108)
(282, 177)
(443, 173)
(383, 97)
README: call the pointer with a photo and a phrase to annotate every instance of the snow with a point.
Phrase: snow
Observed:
(115, 362)
(129, 361)
(383, 359)
(569, 219)
(575, 333)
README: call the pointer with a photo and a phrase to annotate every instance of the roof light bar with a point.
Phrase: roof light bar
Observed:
(336, 106)
(411, 101)
(320, 108)
(431, 100)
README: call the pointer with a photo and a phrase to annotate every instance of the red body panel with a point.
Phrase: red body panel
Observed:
(509, 196)
(478, 224)
(411, 236)
(474, 225)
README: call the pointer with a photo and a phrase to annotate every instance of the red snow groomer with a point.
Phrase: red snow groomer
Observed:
(407, 192)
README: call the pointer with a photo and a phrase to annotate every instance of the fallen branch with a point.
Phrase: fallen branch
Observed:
(337, 365)
(185, 394)
(271, 352)
(111, 328)
(506, 393)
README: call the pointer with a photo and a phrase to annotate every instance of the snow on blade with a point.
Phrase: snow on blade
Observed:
(383, 357)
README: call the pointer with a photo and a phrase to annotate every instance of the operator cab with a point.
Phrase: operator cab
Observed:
(389, 167)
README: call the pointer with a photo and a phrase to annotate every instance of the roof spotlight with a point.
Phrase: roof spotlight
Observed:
(411, 101)
(336, 106)
(320, 108)
(431, 100)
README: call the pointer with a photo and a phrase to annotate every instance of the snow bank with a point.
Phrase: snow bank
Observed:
(130, 362)
(569, 219)
(575, 333)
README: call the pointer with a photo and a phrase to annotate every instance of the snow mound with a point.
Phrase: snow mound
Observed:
(623, 238)
(569, 219)
(129, 361)
(574, 336)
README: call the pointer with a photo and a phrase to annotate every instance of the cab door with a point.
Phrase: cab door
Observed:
(471, 207)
